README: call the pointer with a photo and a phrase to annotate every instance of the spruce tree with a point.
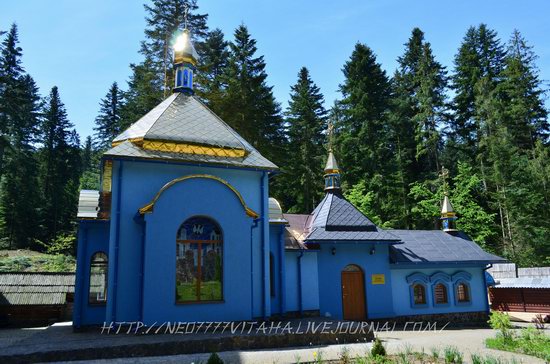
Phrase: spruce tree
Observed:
(210, 77)
(305, 119)
(248, 104)
(163, 20)
(521, 94)
(60, 169)
(108, 121)
(477, 66)
(19, 108)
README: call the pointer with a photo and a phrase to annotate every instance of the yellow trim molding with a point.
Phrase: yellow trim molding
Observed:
(186, 148)
(147, 209)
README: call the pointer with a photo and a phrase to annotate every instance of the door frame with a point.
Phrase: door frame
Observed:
(360, 270)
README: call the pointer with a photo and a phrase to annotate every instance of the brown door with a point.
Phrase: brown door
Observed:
(353, 293)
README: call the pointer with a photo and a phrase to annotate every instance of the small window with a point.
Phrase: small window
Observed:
(440, 294)
(98, 279)
(462, 293)
(419, 292)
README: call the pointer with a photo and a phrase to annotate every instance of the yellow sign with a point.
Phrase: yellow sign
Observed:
(378, 279)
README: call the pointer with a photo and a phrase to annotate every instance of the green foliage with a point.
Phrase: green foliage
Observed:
(214, 359)
(108, 121)
(378, 348)
(530, 342)
(452, 355)
(364, 201)
(62, 244)
(305, 118)
(345, 356)
(37, 263)
(501, 321)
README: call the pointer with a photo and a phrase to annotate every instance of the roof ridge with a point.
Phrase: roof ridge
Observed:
(330, 208)
(162, 113)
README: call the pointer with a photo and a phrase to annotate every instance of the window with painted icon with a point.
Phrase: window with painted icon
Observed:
(199, 249)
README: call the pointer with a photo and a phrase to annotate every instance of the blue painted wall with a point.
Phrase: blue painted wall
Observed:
(93, 237)
(402, 300)
(330, 268)
(309, 281)
(275, 231)
(136, 183)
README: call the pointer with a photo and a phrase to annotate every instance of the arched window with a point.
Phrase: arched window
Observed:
(462, 293)
(97, 293)
(199, 248)
(419, 294)
(440, 294)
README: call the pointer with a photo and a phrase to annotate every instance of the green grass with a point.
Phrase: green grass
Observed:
(530, 341)
(29, 261)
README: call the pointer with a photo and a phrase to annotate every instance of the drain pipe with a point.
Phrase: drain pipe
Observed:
(488, 310)
(265, 230)
(117, 240)
(300, 298)
(140, 220)
(252, 227)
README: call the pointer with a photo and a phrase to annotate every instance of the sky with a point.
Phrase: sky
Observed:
(83, 46)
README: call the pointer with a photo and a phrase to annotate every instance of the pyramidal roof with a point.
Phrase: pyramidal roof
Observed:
(336, 219)
(183, 128)
(446, 207)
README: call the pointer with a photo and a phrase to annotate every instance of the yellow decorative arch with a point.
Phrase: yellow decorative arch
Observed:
(147, 209)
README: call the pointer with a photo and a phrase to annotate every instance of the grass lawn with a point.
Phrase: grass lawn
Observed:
(531, 342)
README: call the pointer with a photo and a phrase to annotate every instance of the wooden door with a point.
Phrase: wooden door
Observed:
(353, 293)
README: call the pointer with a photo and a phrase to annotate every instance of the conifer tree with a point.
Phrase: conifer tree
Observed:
(60, 169)
(248, 104)
(210, 78)
(477, 66)
(108, 121)
(306, 119)
(19, 107)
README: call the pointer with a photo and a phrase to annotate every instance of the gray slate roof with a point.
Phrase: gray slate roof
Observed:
(184, 118)
(436, 246)
(335, 213)
(35, 288)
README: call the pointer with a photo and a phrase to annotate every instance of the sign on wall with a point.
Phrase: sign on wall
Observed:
(378, 279)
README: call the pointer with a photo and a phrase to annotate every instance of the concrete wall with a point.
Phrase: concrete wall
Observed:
(379, 296)
(402, 297)
(134, 185)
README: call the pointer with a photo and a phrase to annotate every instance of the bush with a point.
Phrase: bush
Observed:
(452, 355)
(214, 359)
(501, 322)
(378, 348)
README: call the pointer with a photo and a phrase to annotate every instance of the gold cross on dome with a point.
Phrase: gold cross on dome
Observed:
(444, 175)
(185, 14)
(330, 135)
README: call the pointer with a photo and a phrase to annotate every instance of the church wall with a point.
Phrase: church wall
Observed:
(93, 237)
(275, 231)
(401, 292)
(309, 281)
(140, 182)
(378, 296)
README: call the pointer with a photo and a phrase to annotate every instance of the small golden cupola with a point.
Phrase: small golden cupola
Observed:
(332, 173)
(448, 215)
(185, 62)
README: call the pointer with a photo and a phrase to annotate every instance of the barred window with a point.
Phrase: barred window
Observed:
(463, 292)
(419, 292)
(440, 294)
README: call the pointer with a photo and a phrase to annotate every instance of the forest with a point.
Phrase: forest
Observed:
(476, 129)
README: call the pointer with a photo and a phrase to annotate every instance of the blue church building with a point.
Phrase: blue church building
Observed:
(183, 229)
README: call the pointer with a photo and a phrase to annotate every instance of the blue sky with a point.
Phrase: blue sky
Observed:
(83, 46)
